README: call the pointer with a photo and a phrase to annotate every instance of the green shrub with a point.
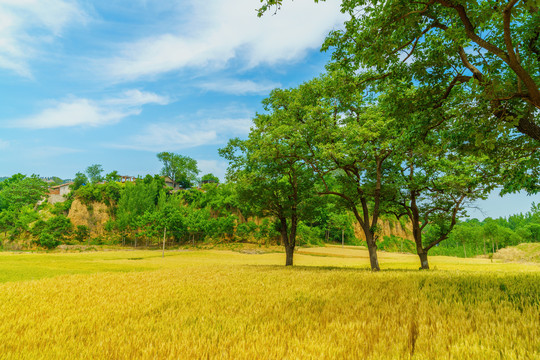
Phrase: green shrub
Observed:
(394, 243)
(47, 240)
(307, 235)
(82, 233)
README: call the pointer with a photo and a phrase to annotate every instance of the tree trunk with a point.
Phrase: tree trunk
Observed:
(288, 240)
(422, 253)
(370, 239)
(372, 248)
(373, 260)
(423, 260)
(417, 234)
(484, 245)
(289, 252)
(464, 251)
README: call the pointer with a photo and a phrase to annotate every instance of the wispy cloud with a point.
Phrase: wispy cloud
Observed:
(222, 31)
(25, 25)
(85, 112)
(179, 136)
(4, 144)
(239, 87)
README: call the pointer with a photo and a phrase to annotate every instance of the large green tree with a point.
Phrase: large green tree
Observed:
(271, 176)
(434, 179)
(434, 188)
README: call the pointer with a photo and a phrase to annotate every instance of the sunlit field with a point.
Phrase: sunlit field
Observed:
(232, 305)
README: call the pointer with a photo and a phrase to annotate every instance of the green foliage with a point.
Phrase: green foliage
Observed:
(108, 193)
(308, 235)
(94, 173)
(20, 190)
(246, 231)
(48, 240)
(473, 237)
(209, 178)
(112, 176)
(61, 207)
(269, 174)
(80, 180)
(82, 233)
(57, 181)
(394, 243)
(59, 226)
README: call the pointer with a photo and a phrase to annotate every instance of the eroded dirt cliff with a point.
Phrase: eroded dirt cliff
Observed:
(387, 228)
(94, 216)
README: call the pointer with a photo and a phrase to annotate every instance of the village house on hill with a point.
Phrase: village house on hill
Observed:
(58, 193)
(171, 183)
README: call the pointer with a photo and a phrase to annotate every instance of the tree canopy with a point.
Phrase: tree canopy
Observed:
(181, 169)
(94, 173)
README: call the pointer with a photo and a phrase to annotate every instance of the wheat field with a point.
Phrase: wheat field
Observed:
(229, 305)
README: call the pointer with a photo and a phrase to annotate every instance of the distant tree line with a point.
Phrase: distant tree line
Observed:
(146, 212)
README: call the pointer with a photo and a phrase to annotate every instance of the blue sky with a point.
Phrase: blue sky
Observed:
(115, 82)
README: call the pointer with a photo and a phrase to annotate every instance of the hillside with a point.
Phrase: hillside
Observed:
(93, 216)
(528, 252)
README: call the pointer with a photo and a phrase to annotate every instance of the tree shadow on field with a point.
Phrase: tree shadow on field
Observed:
(329, 268)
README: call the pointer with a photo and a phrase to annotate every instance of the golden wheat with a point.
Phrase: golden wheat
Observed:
(222, 304)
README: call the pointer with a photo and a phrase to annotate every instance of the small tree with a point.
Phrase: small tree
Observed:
(23, 191)
(181, 169)
(94, 173)
(80, 180)
(112, 176)
(209, 178)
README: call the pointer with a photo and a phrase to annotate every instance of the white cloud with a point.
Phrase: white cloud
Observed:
(4, 144)
(222, 31)
(26, 24)
(239, 126)
(178, 136)
(85, 112)
(137, 97)
(237, 87)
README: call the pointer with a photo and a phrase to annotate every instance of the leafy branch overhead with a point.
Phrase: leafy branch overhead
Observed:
(489, 49)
